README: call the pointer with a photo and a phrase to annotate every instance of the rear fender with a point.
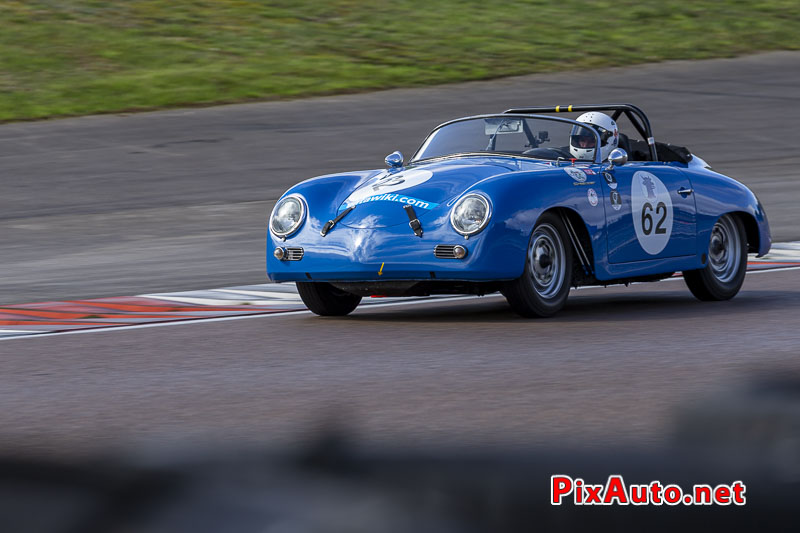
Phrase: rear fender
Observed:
(716, 195)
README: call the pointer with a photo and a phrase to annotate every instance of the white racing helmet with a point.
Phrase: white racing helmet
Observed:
(581, 143)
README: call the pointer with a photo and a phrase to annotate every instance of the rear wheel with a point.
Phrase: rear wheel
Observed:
(543, 288)
(723, 276)
(326, 300)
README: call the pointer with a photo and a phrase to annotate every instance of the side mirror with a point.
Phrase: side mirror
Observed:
(394, 160)
(617, 158)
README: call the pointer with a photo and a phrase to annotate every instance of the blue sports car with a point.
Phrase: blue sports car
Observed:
(522, 202)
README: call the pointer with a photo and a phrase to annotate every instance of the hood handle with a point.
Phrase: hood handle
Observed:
(413, 221)
(331, 223)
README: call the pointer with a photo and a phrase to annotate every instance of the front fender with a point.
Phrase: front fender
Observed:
(324, 194)
(519, 199)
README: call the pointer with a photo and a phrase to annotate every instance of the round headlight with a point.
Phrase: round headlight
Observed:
(287, 216)
(470, 214)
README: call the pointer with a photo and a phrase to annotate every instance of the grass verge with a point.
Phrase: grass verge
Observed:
(71, 57)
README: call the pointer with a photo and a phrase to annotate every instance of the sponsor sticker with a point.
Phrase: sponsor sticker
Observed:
(576, 174)
(402, 198)
(592, 195)
(384, 187)
(651, 208)
(610, 180)
(616, 200)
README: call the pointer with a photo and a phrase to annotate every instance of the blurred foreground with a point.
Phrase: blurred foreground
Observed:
(751, 434)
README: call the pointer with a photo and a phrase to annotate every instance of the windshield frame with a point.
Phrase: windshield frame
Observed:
(414, 158)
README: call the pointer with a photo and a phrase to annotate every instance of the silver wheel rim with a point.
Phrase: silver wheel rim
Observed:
(724, 251)
(546, 259)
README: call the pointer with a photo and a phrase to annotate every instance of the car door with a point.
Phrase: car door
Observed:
(650, 212)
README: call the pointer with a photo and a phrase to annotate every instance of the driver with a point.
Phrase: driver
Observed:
(582, 142)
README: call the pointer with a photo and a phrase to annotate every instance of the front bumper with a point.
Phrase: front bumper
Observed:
(395, 253)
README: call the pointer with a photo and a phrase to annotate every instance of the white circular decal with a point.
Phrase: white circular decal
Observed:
(576, 174)
(387, 183)
(592, 195)
(652, 212)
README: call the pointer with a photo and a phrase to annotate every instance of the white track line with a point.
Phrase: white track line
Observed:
(304, 311)
(219, 302)
(778, 269)
(262, 294)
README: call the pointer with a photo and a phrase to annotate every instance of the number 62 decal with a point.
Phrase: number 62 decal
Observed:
(651, 211)
(647, 220)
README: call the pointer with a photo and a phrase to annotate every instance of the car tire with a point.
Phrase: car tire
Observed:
(726, 266)
(326, 300)
(543, 288)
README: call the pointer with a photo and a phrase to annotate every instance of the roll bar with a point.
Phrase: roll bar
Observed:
(634, 114)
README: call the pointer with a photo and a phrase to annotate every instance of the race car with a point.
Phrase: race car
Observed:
(526, 202)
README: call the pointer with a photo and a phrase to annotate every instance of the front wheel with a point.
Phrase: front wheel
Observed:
(723, 276)
(543, 288)
(326, 300)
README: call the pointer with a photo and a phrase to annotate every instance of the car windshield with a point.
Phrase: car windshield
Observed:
(541, 138)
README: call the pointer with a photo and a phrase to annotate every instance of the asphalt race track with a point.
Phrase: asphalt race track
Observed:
(118, 205)
(610, 368)
(177, 200)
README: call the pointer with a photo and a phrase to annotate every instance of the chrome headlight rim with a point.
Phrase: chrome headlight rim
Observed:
(486, 219)
(300, 221)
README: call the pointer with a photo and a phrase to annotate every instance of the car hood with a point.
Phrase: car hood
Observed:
(427, 187)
